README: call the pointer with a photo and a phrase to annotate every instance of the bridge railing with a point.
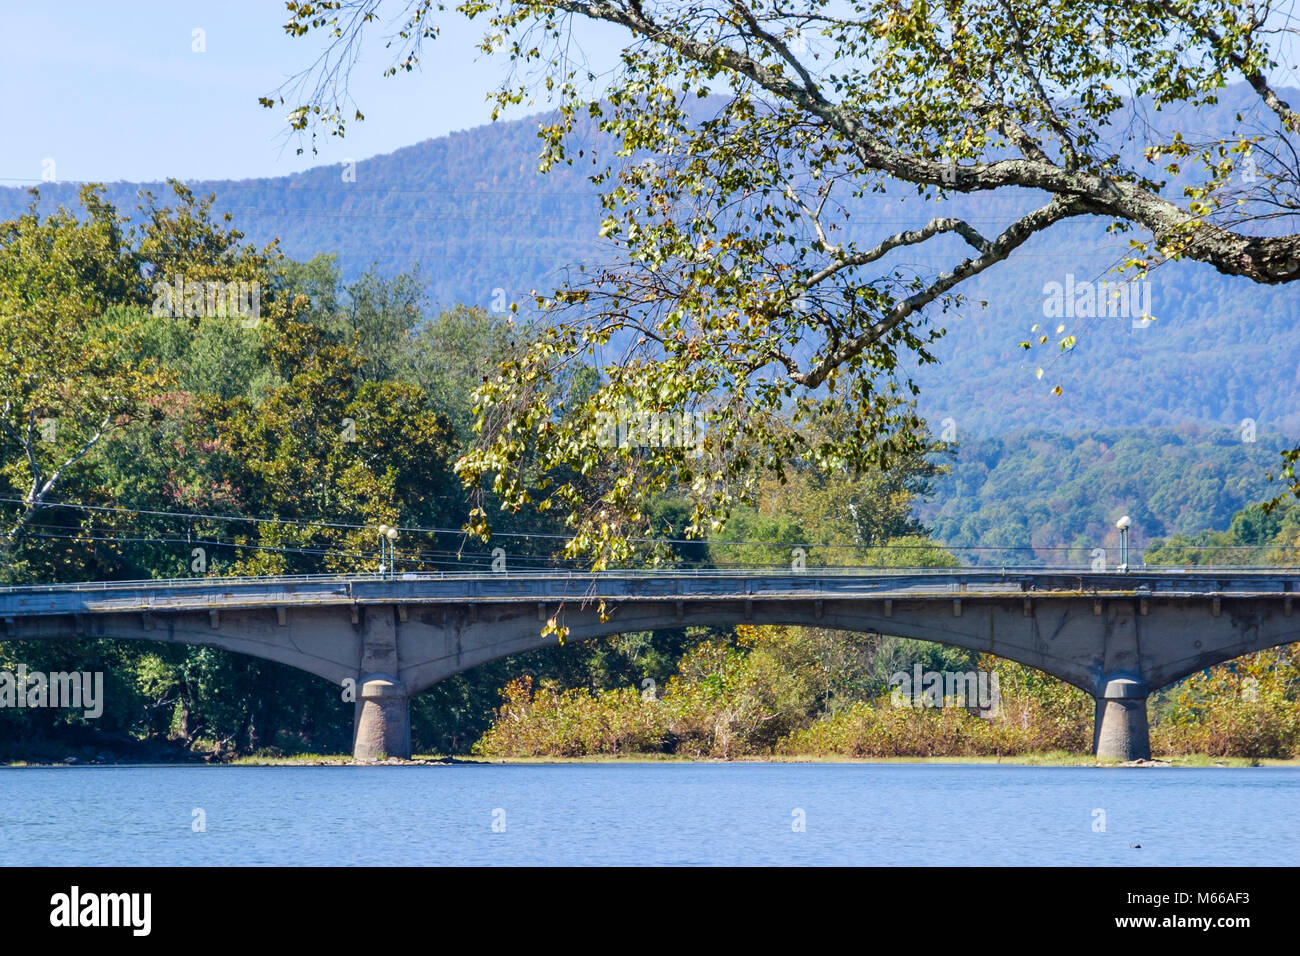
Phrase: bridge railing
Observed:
(209, 581)
(957, 574)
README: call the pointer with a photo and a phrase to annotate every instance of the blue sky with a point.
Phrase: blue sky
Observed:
(116, 92)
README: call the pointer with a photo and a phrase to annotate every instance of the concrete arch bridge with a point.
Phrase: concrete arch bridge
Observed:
(1117, 636)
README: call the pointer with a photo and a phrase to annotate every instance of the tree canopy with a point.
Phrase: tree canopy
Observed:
(734, 290)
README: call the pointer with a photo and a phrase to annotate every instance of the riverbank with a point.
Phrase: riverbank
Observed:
(1051, 759)
(1021, 760)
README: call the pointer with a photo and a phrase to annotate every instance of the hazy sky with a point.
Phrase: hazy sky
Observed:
(117, 91)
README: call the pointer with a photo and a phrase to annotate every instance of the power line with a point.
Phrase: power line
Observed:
(429, 556)
(410, 529)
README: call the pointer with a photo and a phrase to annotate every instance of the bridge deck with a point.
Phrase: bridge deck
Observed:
(712, 585)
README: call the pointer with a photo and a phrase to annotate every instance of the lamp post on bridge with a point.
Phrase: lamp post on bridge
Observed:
(1123, 525)
(387, 550)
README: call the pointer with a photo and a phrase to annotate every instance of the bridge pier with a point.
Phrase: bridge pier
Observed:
(1120, 731)
(383, 720)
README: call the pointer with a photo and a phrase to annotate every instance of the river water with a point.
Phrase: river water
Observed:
(670, 813)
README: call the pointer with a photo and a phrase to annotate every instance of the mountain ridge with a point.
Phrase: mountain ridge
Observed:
(484, 227)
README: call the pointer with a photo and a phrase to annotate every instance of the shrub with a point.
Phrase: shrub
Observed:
(1244, 708)
(572, 723)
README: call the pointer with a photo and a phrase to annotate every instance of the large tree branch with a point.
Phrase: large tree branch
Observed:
(79, 454)
(1258, 82)
(909, 237)
(1010, 239)
(1281, 107)
(1044, 102)
(35, 498)
(29, 446)
(1263, 259)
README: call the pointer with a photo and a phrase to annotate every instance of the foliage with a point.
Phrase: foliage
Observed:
(70, 369)
(1054, 714)
(1051, 498)
(877, 729)
(721, 703)
(732, 295)
(269, 423)
(1249, 707)
(572, 723)
(763, 697)
(1260, 536)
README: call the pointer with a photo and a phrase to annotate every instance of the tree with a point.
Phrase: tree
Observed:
(732, 288)
(90, 310)
(332, 454)
(380, 316)
(449, 356)
(70, 373)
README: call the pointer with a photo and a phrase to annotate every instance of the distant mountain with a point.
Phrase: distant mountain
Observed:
(470, 209)
(472, 212)
(1043, 497)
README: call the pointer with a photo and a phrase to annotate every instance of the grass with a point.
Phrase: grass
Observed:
(1055, 758)
(1046, 759)
(288, 760)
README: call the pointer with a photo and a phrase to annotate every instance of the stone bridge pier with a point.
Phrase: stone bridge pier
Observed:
(382, 721)
(1120, 729)
(382, 724)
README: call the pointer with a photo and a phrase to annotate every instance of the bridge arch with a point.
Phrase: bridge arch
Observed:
(259, 643)
(1116, 636)
(524, 634)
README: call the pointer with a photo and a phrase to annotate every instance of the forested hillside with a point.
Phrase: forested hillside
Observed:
(1043, 497)
(484, 228)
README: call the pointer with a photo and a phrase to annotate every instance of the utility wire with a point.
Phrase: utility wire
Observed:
(410, 529)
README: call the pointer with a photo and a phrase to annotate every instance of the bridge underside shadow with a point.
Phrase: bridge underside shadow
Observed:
(1116, 649)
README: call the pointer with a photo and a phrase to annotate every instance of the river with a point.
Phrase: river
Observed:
(649, 813)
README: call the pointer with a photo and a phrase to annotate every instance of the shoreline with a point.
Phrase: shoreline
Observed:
(1200, 761)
